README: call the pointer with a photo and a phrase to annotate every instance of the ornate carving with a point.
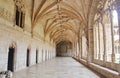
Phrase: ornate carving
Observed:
(20, 4)
(6, 14)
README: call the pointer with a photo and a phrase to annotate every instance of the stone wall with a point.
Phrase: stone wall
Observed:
(21, 39)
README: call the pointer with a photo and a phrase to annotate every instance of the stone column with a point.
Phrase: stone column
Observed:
(95, 44)
(104, 40)
(75, 49)
(112, 35)
(81, 46)
(99, 39)
(118, 12)
(90, 45)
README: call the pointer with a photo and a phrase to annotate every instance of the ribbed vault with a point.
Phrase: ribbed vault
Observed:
(63, 19)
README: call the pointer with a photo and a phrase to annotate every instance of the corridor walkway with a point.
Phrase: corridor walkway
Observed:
(60, 67)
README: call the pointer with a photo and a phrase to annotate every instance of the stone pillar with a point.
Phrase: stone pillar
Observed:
(118, 12)
(112, 35)
(104, 40)
(90, 45)
(74, 50)
(96, 46)
(77, 49)
(99, 39)
(81, 47)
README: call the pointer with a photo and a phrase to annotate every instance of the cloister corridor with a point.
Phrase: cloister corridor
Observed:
(59, 38)
(59, 67)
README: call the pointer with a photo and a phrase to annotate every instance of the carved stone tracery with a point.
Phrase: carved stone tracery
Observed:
(20, 4)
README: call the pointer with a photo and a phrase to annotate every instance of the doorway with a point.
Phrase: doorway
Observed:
(64, 49)
(28, 58)
(11, 59)
(36, 56)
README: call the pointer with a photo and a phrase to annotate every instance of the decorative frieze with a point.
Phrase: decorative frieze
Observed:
(6, 14)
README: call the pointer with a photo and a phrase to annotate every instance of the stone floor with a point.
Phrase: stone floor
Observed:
(60, 67)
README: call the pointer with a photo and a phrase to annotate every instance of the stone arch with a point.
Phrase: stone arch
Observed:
(64, 48)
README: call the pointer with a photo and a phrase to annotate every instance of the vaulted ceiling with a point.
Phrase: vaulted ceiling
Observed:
(63, 18)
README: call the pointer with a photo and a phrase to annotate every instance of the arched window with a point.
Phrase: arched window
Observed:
(108, 38)
(98, 37)
(20, 17)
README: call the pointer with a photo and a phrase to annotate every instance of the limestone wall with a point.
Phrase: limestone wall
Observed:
(21, 38)
(21, 41)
